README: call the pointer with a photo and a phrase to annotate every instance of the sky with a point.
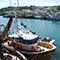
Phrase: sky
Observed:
(6, 3)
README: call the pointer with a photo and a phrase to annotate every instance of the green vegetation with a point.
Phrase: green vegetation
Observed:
(32, 7)
(19, 8)
(6, 9)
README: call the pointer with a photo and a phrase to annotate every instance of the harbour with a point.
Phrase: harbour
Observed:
(42, 27)
(31, 31)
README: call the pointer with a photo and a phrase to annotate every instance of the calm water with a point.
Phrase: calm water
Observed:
(43, 28)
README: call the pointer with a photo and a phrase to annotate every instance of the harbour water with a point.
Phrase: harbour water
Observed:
(43, 28)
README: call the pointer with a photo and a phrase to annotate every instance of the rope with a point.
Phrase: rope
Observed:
(52, 56)
(49, 54)
(34, 57)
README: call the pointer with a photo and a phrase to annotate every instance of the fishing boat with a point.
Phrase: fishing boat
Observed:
(8, 16)
(9, 53)
(28, 42)
(37, 17)
(53, 18)
(30, 16)
(31, 45)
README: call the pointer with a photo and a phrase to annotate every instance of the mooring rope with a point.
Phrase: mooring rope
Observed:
(48, 53)
(34, 57)
(52, 56)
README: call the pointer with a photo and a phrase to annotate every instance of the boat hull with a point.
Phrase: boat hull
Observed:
(41, 56)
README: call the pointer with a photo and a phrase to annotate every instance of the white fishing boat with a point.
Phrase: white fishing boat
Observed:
(28, 43)
(31, 45)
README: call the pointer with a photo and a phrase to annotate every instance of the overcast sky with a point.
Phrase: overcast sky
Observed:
(6, 3)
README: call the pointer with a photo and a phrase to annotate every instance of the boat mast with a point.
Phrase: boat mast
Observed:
(16, 16)
(10, 3)
(16, 23)
(3, 35)
(18, 3)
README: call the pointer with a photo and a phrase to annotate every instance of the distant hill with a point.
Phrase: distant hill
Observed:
(24, 7)
(17, 8)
